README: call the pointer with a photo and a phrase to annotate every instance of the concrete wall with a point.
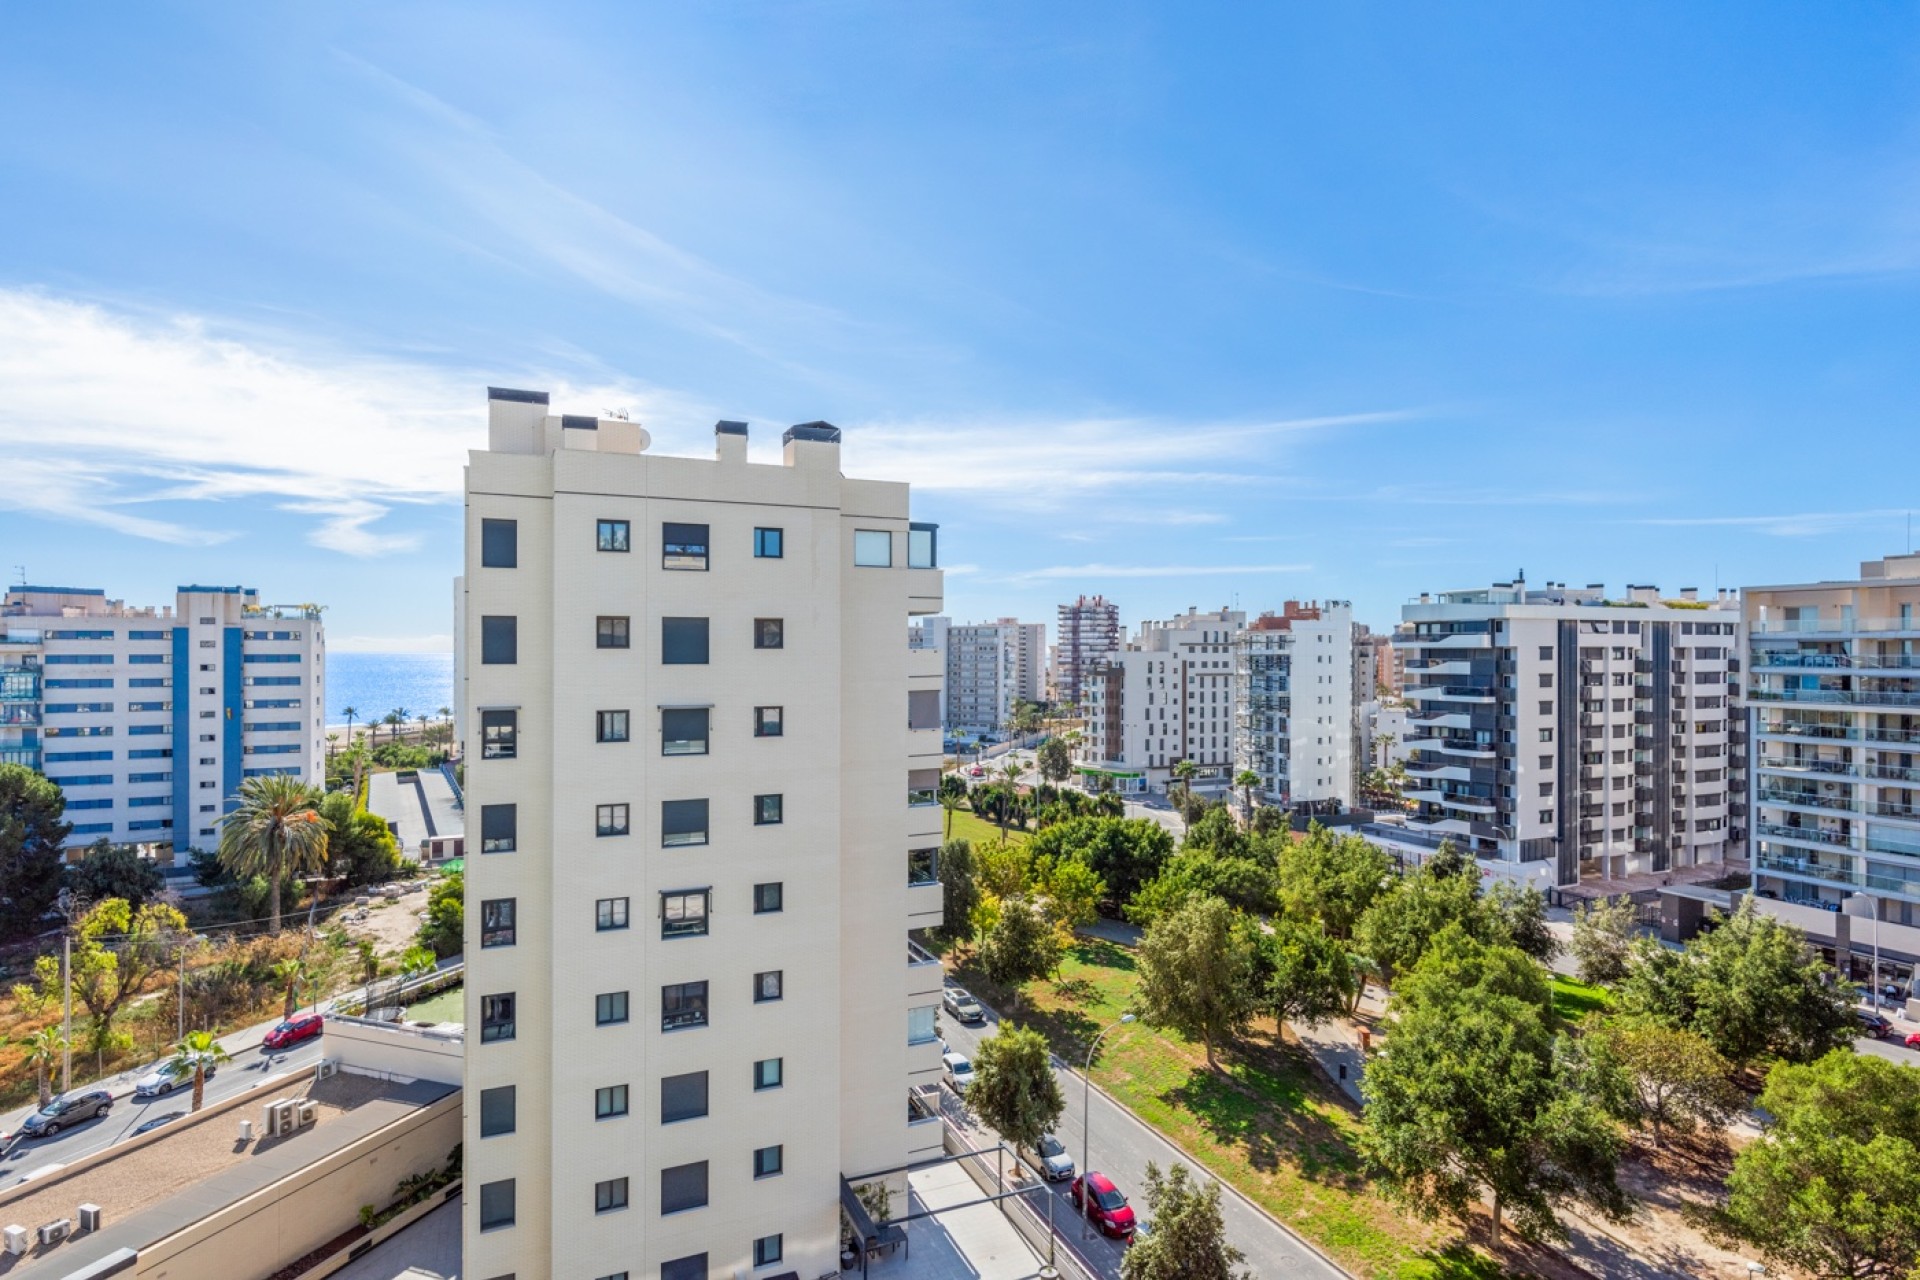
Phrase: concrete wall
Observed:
(386, 1051)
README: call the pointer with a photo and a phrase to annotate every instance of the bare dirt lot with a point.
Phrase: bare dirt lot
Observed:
(391, 925)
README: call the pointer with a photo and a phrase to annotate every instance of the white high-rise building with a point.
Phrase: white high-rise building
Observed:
(1294, 712)
(149, 718)
(1166, 697)
(990, 667)
(700, 785)
(1087, 634)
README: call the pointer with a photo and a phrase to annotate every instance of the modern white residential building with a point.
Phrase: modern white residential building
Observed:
(1087, 633)
(1166, 697)
(990, 667)
(1294, 714)
(700, 786)
(149, 718)
(1575, 733)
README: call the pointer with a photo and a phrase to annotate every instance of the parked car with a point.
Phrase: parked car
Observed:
(161, 1081)
(1874, 1024)
(66, 1111)
(962, 1005)
(1051, 1155)
(1110, 1209)
(1913, 1041)
(975, 771)
(959, 1072)
(291, 1032)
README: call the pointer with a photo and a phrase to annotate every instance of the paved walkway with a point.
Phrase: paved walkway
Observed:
(429, 1249)
(976, 1243)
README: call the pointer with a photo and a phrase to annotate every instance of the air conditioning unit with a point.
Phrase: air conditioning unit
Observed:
(13, 1241)
(56, 1231)
(89, 1217)
(309, 1112)
(279, 1117)
(328, 1067)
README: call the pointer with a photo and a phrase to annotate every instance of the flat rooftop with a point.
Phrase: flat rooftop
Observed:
(419, 803)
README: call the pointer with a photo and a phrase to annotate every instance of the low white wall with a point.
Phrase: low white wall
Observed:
(385, 1050)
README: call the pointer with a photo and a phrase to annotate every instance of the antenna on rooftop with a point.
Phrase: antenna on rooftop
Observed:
(20, 570)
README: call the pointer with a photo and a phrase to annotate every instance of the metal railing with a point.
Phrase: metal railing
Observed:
(1776, 795)
(1813, 835)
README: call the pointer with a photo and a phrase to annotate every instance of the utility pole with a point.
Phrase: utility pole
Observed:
(66, 989)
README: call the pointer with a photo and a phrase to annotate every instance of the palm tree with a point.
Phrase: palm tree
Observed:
(1247, 780)
(44, 1048)
(952, 792)
(1009, 774)
(1184, 771)
(396, 720)
(332, 740)
(274, 832)
(446, 713)
(350, 713)
(289, 974)
(192, 1057)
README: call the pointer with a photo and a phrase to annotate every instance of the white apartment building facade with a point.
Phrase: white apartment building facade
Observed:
(1557, 732)
(1294, 713)
(1086, 634)
(700, 795)
(1166, 697)
(150, 717)
(990, 667)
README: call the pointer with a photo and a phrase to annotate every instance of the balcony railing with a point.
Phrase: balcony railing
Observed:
(1838, 697)
(1836, 875)
(1832, 626)
(1893, 772)
(1810, 799)
(919, 955)
(1813, 835)
(1801, 729)
(921, 797)
(1840, 767)
(1885, 809)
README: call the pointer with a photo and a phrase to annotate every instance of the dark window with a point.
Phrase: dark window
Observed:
(768, 986)
(614, 535)
(610, 820)
(923, 866)
(684, 914)
(769, 633)
(499, 825)
(499, 544)
(610, 1195)
(923, 709)
(499, 640)
(683, 546)
(499, 734)
(609, 1007)
(683, 822)
(769, 897)
(693, 1267)
(610, 913)
(496, 1017)
(683, 642)
(767, 1250)
(766, 811)
(611, 633)
(683, 1097)
(496, 1204)
(768, 721)
(683, 731)
(610, 726)
(768, 543)
(610, 1102)
(496, 922)
(767, 1161)
(683, 1004)
(496, 1111)
(683, 1187)
(769, 1073)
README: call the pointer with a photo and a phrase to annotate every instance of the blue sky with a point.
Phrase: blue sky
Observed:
(1185, 304)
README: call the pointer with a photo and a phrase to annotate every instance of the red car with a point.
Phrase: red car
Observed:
(1913, 1041)
(294, 1030)
(1110, 1208)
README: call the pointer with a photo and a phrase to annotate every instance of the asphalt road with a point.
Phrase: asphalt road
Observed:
(1122, 1146)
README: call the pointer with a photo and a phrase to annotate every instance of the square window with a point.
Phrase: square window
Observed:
(496, 922)
(683, 546)
(767, 1162)
(683, 1097)
(496, 1204)
(768, 543)
(1546, 679)
(769, 633)
(692, 1267)
(610, 632)
(613, 535)
(1546, 816)
(610, 726)
(499, 734)
(768, 722)
(683, 642)
(496, 1111)
(769, 1073)
(923, 709)
(873, 548)
(499, 640)
(768, 986)
(499, 544)
(923, 546)
(683, 1004)
(1546, 653)
(610, 1102)
(766, 811)
(683, 731)
(610, 913)
(610, 820)
(769, 897)
(609, 1007)
(610, 1195)
(923, 866)
(683, 1187)
(767, 1250)
(496, 1017)
(499, 826)
(683, 914)
(683, 822)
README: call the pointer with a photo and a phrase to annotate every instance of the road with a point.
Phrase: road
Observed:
(1122, 1146)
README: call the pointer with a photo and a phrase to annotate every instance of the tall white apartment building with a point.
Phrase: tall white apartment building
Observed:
(1294, 711)
(1166, 697)
(150, 717)
(990, 667)
(1087, 633)
(1560, 732)
(700, 795)
(1834, 691)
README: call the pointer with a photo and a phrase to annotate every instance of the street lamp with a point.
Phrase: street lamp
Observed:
(65, 901)
(1086, 1129)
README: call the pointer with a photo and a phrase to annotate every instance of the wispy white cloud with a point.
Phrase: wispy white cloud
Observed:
(1808, 524)
(1097, 571)
(343, 527)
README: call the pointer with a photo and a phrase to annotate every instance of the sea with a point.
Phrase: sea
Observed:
(376, 683)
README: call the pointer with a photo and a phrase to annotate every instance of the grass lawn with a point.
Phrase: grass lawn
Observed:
(969, 826)
(1268, 1123)
(1573, 999)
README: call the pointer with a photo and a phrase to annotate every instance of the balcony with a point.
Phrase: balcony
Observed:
(1807, 835)
(1804, 729)
(1890, 772)
(1887, 809)
(1838, 697)
(1805, 799)
(1833, 626)
(1836, 875)
(1777, 764)
(1451, 693)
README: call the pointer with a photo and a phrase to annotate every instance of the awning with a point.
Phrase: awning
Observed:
(857, 1215)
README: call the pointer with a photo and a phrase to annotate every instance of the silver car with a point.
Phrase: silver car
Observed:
(161, 1081)
(1055, 1164)
(959, 1072)
(963, 1006)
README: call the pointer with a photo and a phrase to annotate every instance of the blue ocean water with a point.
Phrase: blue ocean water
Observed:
(376, 683)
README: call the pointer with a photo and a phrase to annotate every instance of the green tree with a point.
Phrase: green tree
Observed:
(1183, 771)
(1448, 860)
(360, 846)
(1189, 1238)
(44, 1047)
(1603, 939)
(959, 892)
(31, 833)
(1302, 975)
(1014, 1089)
(1400, 924)
(1124, 852)
(108, 870)
(352, 714)
(1519, 919)
(288, 975)
(1332, 879)
(1673, 1077)
(275, 832)
(1247, 780)
(1055, 761)
(1072, 891)
(443, 928)
(1196, 969)
(1242, 883)
(1020, 947)
(953, 792)
(192, 1057)
(118, 953)
(1833, 1187)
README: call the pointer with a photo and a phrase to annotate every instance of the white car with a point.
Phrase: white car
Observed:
(959, 1072)
(161, 1081)
(1055, 1164)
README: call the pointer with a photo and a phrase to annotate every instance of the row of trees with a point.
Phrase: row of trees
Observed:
(395, 720)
